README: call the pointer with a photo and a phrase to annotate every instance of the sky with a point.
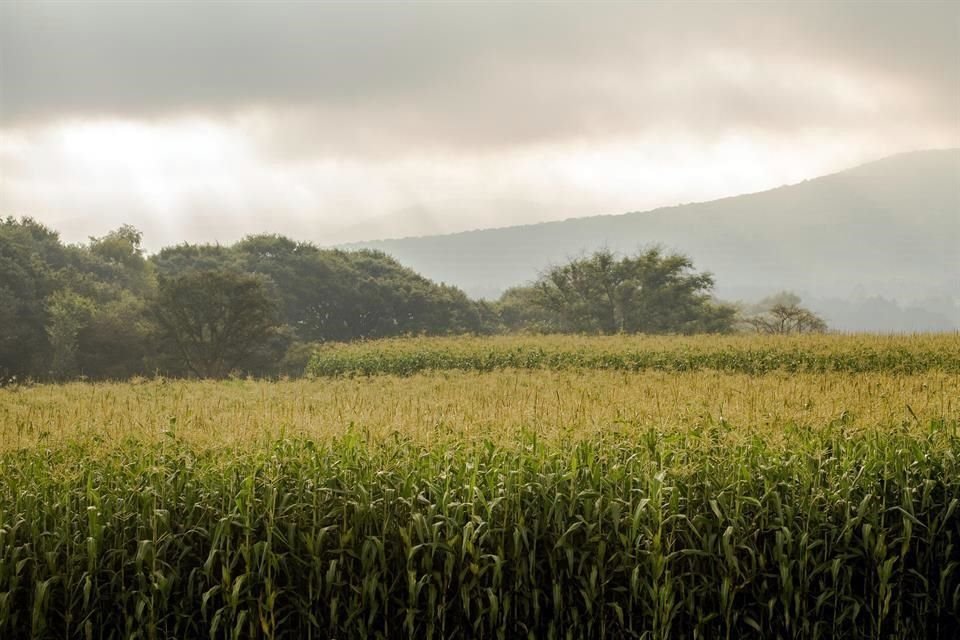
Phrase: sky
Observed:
(205, 122)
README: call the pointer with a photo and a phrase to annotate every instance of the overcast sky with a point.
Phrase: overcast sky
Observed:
(209, 121)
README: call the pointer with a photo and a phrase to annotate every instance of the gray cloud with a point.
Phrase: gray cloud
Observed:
(482, 75)
(358, 120)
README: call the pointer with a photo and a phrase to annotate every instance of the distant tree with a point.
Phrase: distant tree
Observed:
(342, 295)
(393, 300)
(782, 314)
(67, 313)
(316, 288)
(216, 320)
(94, 309)
(519, 309)
(651, 292)
(184, 257)
(32, 260)
(118, 339)
(118, 259)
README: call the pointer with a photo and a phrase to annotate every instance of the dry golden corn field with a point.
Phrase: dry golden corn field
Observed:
(548, 487)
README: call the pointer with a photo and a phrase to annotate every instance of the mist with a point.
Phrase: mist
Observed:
(338, 123)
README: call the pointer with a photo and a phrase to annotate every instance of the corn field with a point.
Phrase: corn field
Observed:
(567, 502)
(741, 354)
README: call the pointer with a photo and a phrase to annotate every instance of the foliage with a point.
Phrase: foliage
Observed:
(328, 295)
(216, 319)
(518, 309)
(67, 313)
(121, 260)
(90, 310)
(118, 339)
(53, 298)
(30, 257)
(782, 314)
(650, 292)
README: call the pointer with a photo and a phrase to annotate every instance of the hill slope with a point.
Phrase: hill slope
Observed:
(889, 228)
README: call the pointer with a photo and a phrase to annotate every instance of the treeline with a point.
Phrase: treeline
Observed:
(106, 310)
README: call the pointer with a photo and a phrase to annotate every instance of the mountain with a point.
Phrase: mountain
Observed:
(886, 231)
(430, 221)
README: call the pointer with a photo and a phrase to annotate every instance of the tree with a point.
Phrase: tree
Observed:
(184, 257)
(31, 261)
(518, 309)
(95, 309)
(342, 295)
(68, 313)
(396, 300)
(316, 288)
(215, 319)
(118, 259)
(782, 314)
(115, 343)
(651, 292)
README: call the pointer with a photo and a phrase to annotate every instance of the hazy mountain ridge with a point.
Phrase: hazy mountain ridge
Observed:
(888, 229)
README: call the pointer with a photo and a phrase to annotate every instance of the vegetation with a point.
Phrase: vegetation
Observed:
(105, 310)
(744, 354)
(761, 242)
(329, 294)
(782, 314)
(215, 319)
(649, 292)
(61, 304)
(520, 503)
(537, 486)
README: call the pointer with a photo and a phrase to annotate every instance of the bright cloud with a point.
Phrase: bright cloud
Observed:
(344, 122)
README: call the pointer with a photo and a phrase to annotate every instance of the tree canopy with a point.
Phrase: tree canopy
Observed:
(215, 319)
(782, 314)
(106, 309)
(650, 292)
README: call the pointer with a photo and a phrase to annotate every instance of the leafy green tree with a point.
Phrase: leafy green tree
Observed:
(651, 292)
(181, 258)
(216, 320)
(118, 340)
(112, 272)
(519, 309)
(783, 314)
(118, 259)
(90, 308)
(67, 313)
(343, 295)
(31, 261)
(393, 300)
(316, 288)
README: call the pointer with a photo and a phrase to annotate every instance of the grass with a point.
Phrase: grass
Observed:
(518, 503)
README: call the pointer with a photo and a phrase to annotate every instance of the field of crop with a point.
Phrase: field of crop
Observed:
(741, 354)
(567, 497)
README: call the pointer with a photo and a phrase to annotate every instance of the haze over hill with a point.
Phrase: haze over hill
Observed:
(354, 121)
(874, 247)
